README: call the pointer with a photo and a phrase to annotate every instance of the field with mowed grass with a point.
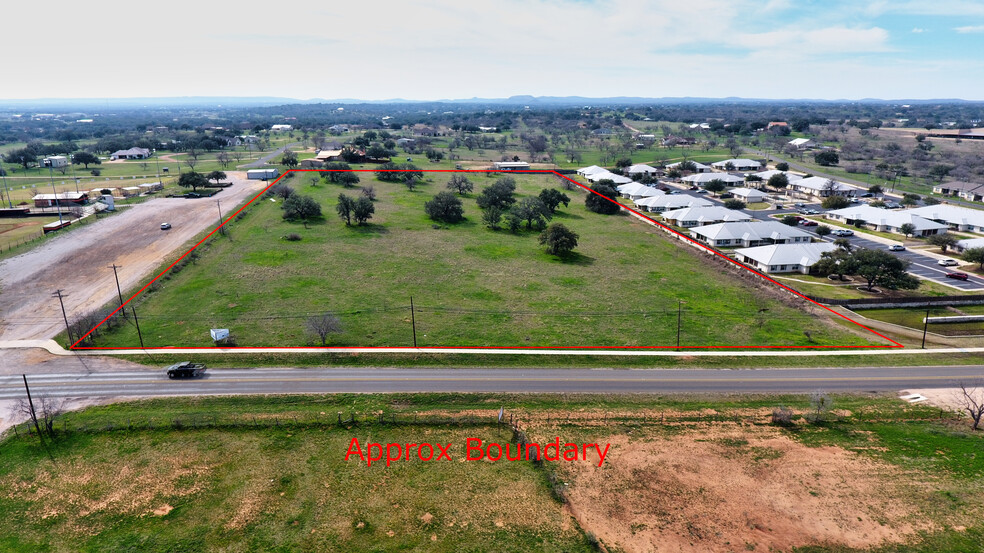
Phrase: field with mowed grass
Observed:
(626, 284)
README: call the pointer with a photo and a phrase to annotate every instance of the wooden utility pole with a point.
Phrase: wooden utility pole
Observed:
(68, 330)
(413, 323)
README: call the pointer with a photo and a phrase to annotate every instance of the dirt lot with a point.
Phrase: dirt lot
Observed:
(731, 488)
(78, 262)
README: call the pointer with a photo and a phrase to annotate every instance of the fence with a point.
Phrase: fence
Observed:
(871, 303)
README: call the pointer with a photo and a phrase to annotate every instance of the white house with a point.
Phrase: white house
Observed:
(510, 166)
(737, 164)
(766, 175)
(703, 215)
(591, 170)
(801, 143)
(971, 191)
(659, 204)
(968, 243)
(749, 234)
(749, 195)
(956, 217)
(886, 220)
(784, 258)
(700, 167)
(636, 190)
(641, 169)
(821, 187)
(701, 179)
(281, 128)
(132, 153)
(617, 179)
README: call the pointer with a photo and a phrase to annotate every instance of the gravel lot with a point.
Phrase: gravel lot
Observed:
(79, 262)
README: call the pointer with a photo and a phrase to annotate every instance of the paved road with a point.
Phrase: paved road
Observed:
(375, 380)
(265, 159)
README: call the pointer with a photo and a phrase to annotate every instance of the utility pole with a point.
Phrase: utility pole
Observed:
(68, 330)
(413, 323)
(136, 322)
(925, 328)
(218, 204)
(679, 321)
(30, 402)
(118, 290)
(51, 175)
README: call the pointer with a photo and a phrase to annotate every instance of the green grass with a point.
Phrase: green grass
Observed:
(470, 285)
(913, 318)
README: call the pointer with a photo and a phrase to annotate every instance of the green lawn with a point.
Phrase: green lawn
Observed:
(471, 286)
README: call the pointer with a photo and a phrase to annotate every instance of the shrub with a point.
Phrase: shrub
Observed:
(782, 415)
(292, 237)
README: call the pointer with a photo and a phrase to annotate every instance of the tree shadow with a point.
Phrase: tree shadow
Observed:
(368, 229)
(575, 258)
(566, 215)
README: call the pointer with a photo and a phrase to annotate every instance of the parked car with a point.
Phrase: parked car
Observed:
(867, 195)
(808, 223)
(842, 232)
(947, 263)
(958, 275)
(799, 205)
(165, 226)
(726, 195)
(702, 191)
(896, 248)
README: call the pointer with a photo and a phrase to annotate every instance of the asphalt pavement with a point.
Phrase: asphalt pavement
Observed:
(377, 380)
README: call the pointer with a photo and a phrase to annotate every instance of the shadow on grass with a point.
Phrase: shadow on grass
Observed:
(566, 215)
(368, 229)
(573, 258)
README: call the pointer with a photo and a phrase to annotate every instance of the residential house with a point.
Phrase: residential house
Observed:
(886, 220)
(701, 179)
(749, 234)
(699, 167)
(338, 129)
(766, 175)
(132, 153)
(640, 169)
(667, 202)
(971, 191)
(617, 179)
(749, 195)
(955, 217)
(637, 191)
(821, 187)
(54, 162)
(510, 166)
(591, 170)
(784, 258)
(968, 243)
(281, 128)
(801, 143)
(703, 215)
(737, 164)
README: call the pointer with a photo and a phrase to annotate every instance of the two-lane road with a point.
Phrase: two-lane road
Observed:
(375, 380)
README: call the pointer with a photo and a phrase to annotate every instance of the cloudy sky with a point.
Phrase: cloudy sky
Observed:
(435, 49)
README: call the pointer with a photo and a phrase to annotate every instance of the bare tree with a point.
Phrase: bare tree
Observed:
(237, 155)
(223, 159)
(191, 162)
(323, 325)
(971, 400)
(46, 409)
(369, 192)
(820, 403)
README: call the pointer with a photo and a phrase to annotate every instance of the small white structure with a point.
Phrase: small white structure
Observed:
(801, 143)
(701, 179)
(281, 128)
(784, 258)
(510, 166)
(703, 215)
(887, 220)
(131, 191)
(219, 334)
(262, 174)
(749, 234)
(749, 195)
(737, 164)
(55, 162)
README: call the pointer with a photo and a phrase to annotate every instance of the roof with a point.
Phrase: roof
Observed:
(699, 166)
(960, 185)
(672, 201)
(766, 175)
(617, 179)
(143, 151)
(639, 189)
(701, 213)
(61, 196)
(820, 183)
(803, 254)
(748, 192)
(968, 243)
(641, 168)
(737, 162)
(325, 154)
(952, 214)
(799, 141)
(887, 217)
(591, 170)
(702, 178)
(750, 231)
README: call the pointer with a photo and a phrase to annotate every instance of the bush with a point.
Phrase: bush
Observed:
(445, 207)
(292, 237)
(95, 172)
(782, 415)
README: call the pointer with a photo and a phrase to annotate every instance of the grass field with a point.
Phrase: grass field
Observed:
(268, 473)
(470, 285)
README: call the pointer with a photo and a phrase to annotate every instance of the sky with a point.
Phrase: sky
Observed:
(448, 49)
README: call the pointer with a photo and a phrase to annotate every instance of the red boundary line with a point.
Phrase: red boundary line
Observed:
(74, 346)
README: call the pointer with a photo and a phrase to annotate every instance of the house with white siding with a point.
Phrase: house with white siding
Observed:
(749, 234)
(703, 215)
(954, 216)
(886, 220)
(784, 258)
